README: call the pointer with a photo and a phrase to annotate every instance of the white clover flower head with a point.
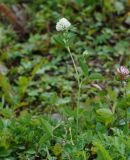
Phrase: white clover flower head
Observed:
(62, 24)
(123, 72)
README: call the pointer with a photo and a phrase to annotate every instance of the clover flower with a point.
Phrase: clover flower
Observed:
(122, 72)
(62, 24)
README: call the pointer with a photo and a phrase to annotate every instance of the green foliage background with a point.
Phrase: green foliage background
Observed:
(38, 88)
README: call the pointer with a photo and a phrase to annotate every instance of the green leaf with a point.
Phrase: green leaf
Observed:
(104, 115)
(92, 2)
(7, 89)
(57, 149)
(23, 83)
(83, 66)
(36, 68)
(102, 153)
(47, 126)
(96, 76)
(7, 112)
(59, 40)
(4, 152)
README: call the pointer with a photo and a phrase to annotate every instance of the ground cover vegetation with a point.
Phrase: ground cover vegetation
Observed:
(64, 80)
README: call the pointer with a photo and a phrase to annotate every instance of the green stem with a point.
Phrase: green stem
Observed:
(79, 89)
(74, 64)
(126, 115)
(126, 121)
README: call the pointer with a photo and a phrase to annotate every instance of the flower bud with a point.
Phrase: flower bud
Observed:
(122, 72)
